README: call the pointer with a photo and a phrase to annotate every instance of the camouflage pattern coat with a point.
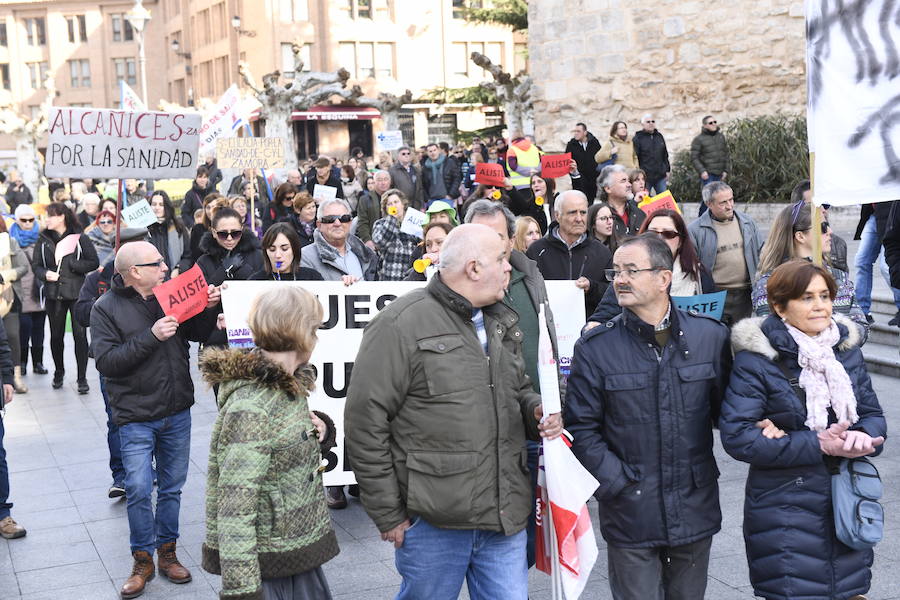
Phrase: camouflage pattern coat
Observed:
(266, 515)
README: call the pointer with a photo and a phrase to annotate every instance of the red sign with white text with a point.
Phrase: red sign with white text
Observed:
(184, 296)
(555, 165)
(490, 174)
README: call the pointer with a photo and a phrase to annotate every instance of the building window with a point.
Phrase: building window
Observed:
(384, 60)
(80, 104)
(459, 59)
(494, 51)
(4, 76)
(365, 60)
(287, 59)
(460, 6)
(121, 28)
(34, 111)
(293, 10)
(357, 9)
(4, 41)
(219, 22)
(347, 56)
(125, 69)
(520, 57)
(77, 26)
(222, 72)
(37, 74)
(176, 6)
(36, 30)
(204, 31)
(80, 73)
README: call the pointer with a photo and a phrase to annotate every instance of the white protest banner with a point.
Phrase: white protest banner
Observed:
(225, 118)
(99, 142)
(324, 192)
(391, 139)
(852, 101)
(567, 304)
(347, 311)
(250, 153)
(413, 221)
(139, 214)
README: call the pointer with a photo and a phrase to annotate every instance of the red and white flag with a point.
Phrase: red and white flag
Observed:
(565, 545)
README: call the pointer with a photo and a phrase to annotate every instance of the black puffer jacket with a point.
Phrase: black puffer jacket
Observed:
(72, 272)
(147, 379)
(588, 258)
(652, 154)
(709, 152)
(220, 265)
(788, 522)
(643, 423)
(587, 166)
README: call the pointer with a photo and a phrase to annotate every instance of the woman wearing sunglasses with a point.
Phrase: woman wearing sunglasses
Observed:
(791, 236)
(59, 285)
(102, 233)
(32, 318)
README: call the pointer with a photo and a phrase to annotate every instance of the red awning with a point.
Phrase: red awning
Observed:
(335, 113)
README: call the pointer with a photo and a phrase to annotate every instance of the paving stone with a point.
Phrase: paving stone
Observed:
(61, 577)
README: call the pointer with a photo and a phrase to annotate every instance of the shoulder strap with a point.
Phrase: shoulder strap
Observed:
(793, 381)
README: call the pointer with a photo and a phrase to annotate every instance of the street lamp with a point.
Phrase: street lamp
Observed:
(176, 47)
(138, 17)
(236, 25)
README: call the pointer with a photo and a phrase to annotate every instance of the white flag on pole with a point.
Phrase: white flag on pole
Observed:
(130, 100)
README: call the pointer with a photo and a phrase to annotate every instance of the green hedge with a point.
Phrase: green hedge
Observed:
(769, 155)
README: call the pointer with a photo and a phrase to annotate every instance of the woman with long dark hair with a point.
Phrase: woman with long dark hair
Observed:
(281, 256)
(211, 203)
(169, 235)
(601, 225)
(282, 207)
(59, 284)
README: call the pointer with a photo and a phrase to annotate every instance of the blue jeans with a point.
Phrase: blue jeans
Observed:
(434, 562)
(658, 186)
(170, 438)
(112, 439)
(870, 251)
(4, 476)
(710, 178)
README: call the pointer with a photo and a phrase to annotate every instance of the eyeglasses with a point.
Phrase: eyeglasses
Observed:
(328, 219)
(711, 123)
(669, 234)
(27, 220)
(151, 264)
(106, 222)
(652, 121)
(604, 219)
(224, 235)
(612, 274)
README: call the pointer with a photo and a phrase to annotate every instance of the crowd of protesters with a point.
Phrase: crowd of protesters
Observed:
(445, 450)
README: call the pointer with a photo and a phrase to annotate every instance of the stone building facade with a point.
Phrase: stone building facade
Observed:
(601, 61)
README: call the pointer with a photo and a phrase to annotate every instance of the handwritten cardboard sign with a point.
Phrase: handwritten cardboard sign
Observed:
(555, 165)
(65, 247)
(250, 153)
(413, 220)
(324, 192)
(100, 142)
(660, 201)
(184, 296)
(705, 304)
(139, 214)
(489, 174)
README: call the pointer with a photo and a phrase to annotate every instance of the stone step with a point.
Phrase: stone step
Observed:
(881, 333)
(882, 359)
(883, 304)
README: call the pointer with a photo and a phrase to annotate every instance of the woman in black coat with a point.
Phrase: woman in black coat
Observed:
(281, 208)
(281, 257)
(793, 441)
(58, 286)
(169, 235)
(193, 198)
(303, 217)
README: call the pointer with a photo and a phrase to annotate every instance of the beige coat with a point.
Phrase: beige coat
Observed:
(625, 155)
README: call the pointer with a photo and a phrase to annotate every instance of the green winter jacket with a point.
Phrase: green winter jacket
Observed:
(266, 515)
(709, 152)
(434, 428)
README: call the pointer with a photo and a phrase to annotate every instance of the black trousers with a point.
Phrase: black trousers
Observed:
(56, 312)
(31, 333)
(666, 573)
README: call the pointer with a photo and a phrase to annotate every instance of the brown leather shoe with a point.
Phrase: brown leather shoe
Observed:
(169, 565)
(11, 530)
(141, 573)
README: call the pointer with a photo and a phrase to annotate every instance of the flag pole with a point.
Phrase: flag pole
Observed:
(555, 577)
(119, 214)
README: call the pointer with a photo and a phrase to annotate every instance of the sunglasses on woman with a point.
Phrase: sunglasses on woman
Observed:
(27, 220)
(224, 235)
(669, 234)
(332, 218)
(106, 222)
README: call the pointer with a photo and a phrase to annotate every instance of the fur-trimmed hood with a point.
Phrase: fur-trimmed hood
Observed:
(223, 365)
(757, 334)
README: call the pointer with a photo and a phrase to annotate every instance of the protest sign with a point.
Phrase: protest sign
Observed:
(324, 192)
(555, 165)
(250, 153)
(139, 214)
(65, 247)
(347, 310)
(390, 140)
(489, 174)
(567, 304)
(413, 221)
(705, 304)
(98, 142)
(225, 118)
(652, 204)
(184, 296)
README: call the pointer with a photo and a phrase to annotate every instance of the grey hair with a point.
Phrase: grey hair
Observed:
(659, 252)
(646, 117)
(561, 200)
(710, 190)
(604, 180)
(326, 203)
(379, 172)
(486, 208)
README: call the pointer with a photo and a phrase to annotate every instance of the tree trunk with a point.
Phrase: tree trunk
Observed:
(28, 164)
(279, 125)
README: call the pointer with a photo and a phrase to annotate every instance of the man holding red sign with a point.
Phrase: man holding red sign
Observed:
(143, 353)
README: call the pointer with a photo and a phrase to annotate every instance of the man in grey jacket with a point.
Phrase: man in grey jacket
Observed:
(334, 253)
(728, 243)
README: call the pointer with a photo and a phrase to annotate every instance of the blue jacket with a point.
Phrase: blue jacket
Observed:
(788, 524)
(642, 425)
